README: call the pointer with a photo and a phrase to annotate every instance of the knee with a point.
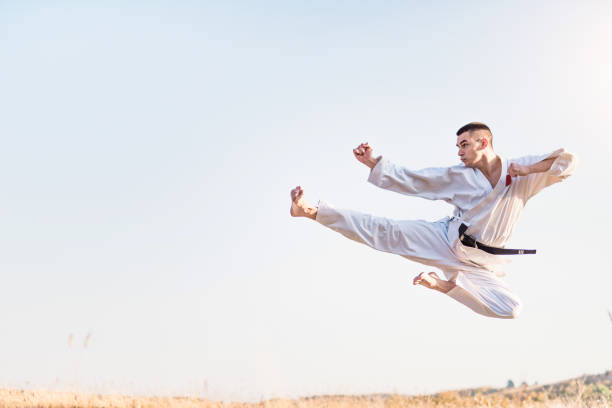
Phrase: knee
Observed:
(516, 310)
(512, 310)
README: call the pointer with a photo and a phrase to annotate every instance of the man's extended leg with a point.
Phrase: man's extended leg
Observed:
(421, 241)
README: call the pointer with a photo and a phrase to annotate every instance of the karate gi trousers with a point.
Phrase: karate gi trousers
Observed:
(433, 244)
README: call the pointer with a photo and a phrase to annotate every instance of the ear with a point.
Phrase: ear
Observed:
(484, 143)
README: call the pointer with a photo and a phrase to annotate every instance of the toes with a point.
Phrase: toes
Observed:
(296, 193)
(418, 279)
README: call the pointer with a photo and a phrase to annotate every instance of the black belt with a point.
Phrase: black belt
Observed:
(471, 242)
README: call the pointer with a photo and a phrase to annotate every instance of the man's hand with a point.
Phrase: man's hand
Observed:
(363, 153)
(518, 170)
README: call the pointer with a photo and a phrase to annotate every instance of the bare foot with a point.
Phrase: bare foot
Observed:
(299, 207)
(427, 280)
(432, 281)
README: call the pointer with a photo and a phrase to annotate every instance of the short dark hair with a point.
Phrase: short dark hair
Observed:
(473, 126)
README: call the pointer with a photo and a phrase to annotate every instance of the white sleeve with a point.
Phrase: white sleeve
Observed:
(561, 168)
(435, 183)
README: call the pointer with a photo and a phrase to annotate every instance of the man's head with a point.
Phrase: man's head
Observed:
(474, 140)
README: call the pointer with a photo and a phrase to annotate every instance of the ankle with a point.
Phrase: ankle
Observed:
(311, 212)
(444, 286)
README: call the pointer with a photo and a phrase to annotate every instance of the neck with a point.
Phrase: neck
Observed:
(489, 163)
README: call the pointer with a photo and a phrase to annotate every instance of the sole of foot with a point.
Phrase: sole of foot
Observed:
(297, 209)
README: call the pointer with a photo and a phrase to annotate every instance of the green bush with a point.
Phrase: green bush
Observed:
(599, 392)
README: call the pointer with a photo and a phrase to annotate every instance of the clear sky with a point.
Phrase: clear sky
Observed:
(148, 150)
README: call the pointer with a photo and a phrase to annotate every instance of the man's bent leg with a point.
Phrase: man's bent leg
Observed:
(485, 294)
(431, 280)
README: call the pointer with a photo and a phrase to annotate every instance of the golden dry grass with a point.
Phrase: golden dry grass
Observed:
(588, 391)
(516, 398)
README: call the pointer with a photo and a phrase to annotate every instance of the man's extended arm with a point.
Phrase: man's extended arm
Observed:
(432, 183)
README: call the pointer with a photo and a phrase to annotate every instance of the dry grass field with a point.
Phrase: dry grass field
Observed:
(594, 391)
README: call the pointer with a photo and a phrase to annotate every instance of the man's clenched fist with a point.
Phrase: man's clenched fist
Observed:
(363, 153)
(518, 170)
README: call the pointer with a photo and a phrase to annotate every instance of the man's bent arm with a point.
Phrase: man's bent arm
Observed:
(540, 167)
(537, 172)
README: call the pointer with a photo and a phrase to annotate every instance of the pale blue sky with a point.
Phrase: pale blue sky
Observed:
(148, 150)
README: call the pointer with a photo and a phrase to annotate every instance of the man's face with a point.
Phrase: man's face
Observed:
(470, 149)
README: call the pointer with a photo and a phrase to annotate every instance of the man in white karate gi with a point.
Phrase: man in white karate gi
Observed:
(488, 193)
